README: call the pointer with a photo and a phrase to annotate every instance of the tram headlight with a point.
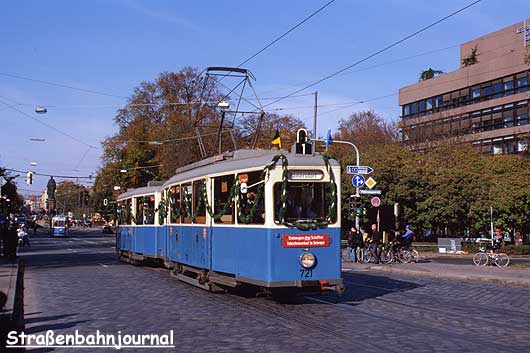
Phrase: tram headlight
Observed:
(307, 260)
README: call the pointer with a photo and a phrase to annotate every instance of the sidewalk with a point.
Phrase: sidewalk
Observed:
(489, 274)
(11, 298)
(8, 283)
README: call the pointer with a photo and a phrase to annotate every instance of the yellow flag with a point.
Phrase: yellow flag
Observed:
(276, 140)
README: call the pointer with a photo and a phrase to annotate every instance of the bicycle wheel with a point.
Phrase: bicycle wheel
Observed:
(502, 260)
(387, 256)
(367, 257)
(415, 255)
(405, 256)
(480, 259)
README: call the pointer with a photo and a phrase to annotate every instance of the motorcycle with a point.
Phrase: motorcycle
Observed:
(23, 238)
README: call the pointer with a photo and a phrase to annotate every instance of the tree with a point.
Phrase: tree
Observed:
(450, 189)
(72, 197)
(430, 73)
(471, 59)
(168, 110)
(288, 125)
(9, 192)
(364, 128)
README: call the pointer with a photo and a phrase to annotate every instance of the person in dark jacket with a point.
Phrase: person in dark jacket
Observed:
(358, 246)
(374, 240)
(350, 248)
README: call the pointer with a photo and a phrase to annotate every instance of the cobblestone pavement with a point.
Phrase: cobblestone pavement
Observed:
(78, 284)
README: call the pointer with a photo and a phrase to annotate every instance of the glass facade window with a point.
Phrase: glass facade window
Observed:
(422, 106)
(508, 85)
(428, 103)
(508, 121)
(522, 119)
(414, 108)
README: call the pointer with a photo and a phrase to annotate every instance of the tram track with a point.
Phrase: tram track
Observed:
(427, 329)
(332, 329)
(499, 311)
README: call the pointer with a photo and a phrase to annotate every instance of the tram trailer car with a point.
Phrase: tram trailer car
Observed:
(219, 222)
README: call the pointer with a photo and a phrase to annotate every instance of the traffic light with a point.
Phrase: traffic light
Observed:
(303, 146)
(358, 211)
(29, 178)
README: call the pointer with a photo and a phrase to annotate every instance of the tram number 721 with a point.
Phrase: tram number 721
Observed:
(307, 273)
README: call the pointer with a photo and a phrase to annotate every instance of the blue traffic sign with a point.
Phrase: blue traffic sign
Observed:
(361, 169)
(357, 181)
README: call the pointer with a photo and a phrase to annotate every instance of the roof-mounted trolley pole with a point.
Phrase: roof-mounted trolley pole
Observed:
(243, 78)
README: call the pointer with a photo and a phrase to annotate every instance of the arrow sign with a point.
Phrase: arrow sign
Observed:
(362, 169)
(357, 181)
(370, 192)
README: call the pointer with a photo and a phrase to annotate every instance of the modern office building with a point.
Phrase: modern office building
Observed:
(485, 102)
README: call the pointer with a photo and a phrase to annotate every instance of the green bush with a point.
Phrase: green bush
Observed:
(470, 247)
(517, 249)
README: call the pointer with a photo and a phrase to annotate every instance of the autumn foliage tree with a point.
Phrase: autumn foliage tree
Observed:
(158, 130)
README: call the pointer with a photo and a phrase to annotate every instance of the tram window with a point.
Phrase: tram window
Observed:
(139, 211)
(174, 202)
(128, 211)
(199, 207)
(305, 201)
(186, 202)
(149, 209)
(248, 200)
(222, 186)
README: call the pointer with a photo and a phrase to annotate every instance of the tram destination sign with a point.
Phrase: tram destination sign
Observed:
(358, 169)
(305, 241)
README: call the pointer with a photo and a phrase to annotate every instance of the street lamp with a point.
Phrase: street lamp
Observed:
(41, 110)
(33, 164)
(37, 139)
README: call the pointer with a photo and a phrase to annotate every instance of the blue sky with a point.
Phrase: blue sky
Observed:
(113, 45)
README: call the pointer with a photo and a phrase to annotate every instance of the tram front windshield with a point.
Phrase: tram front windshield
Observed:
(59, 223)
(305, 201)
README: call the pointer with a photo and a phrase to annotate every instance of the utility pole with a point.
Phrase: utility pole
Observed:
(315, 123)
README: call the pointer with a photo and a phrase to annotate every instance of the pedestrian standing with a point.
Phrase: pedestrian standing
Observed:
(375, 240)
(350, 247)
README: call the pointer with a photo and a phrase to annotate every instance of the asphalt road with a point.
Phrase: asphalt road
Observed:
(77, 284)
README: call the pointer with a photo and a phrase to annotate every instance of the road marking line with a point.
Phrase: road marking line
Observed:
(88, 241)
(104, 265)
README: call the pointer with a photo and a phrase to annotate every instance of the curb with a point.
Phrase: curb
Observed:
(467, 278)
(13, 318)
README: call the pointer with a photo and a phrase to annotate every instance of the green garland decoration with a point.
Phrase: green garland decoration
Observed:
(162, 211)
(185, 206)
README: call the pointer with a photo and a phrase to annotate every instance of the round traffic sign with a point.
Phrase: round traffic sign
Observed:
(357, 181)
(376, 201)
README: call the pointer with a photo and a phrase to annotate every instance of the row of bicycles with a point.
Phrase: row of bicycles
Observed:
(389, 253)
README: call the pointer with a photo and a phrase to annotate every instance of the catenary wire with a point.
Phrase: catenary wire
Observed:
(423, 29)
(285, 33)
(47, 125)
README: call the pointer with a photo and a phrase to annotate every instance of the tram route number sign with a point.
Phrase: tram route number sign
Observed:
(305, 241)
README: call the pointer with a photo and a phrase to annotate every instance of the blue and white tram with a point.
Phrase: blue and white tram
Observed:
(251, 217)
(59, 226)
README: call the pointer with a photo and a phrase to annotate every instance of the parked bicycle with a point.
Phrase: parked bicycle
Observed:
(484, 257)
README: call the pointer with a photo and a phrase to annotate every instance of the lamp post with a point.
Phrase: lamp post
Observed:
(358, 161)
